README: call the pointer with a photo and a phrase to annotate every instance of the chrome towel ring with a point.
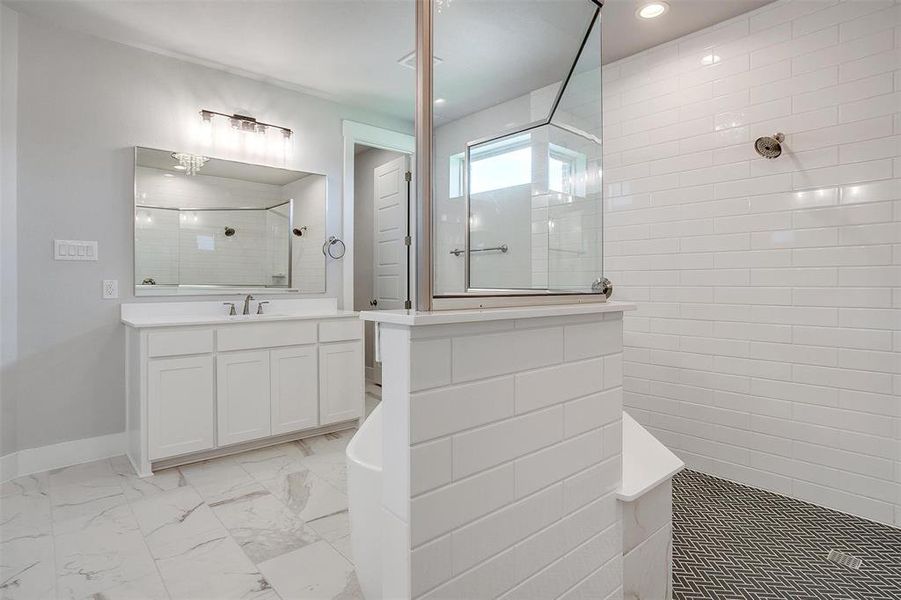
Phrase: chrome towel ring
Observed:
(334, 248)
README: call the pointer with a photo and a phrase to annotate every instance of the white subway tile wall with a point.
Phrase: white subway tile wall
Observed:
(767, 344)
(515, 459)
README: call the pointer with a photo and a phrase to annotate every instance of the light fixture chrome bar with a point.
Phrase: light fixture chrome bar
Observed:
(207, 114)
(423, 129)
(503, 248)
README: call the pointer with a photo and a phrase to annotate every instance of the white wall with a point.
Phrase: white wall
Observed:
(766, 344)
(8, 300)
(83, 104)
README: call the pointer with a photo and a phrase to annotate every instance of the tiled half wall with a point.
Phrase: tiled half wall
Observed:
(514, 447)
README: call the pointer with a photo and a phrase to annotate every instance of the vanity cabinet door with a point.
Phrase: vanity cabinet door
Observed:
(242, 391)
(294, 389)
(340, 382)
(180, 405)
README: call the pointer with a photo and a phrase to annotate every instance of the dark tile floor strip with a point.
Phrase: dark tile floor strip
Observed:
(735, 542)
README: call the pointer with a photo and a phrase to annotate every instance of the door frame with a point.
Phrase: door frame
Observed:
(376, 137)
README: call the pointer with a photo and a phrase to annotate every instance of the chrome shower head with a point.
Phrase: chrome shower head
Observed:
(769, 147)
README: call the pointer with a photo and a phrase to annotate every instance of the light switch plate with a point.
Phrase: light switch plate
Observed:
(110, 288)
(74, 250)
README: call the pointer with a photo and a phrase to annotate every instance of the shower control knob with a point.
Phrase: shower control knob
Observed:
(602, 285)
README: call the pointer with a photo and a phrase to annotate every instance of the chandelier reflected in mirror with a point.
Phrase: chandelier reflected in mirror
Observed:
(189, 163)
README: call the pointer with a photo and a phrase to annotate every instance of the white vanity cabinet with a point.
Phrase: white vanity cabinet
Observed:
(294, 390)
(180, 402)
(335, 390)
(195, 391)
(242, 396)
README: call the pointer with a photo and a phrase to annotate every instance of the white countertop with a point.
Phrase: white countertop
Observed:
(174, 314)
(646, 461)
(174, 321)
(440, 317)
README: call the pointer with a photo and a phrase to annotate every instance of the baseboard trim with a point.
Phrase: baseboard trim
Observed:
(65, 454)
(9, 466)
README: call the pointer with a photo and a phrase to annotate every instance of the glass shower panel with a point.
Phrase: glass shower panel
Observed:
(575, 190)
(516, 200)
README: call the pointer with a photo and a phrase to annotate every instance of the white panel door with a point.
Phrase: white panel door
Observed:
(340, 382)
(390, 222)
(294, 388)
(242, 392)
(180, 401)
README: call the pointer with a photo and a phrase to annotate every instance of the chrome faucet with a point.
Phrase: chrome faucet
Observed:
(247, 304)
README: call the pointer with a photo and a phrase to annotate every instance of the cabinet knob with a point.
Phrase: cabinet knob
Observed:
(373, 302)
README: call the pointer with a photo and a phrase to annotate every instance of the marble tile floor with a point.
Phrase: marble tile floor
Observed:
(266, 524)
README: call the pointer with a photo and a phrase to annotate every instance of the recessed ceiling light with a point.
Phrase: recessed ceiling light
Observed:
(439, 101)
(710, 59)
(652, 10)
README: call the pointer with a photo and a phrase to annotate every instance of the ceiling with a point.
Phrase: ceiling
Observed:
(348, 50)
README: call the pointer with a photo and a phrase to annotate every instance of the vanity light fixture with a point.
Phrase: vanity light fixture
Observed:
(652, 10)
(245, 123)
(189, 163)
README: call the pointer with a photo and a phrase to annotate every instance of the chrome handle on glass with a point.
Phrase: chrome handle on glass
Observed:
(260, 306)
(502, 248)
(231, 311)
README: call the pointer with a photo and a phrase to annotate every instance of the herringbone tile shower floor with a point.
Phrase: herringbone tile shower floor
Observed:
(735, 542)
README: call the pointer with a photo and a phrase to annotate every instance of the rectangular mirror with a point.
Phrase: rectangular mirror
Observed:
(206, 225)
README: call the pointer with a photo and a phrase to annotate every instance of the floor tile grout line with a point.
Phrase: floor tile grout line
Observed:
(156, 565)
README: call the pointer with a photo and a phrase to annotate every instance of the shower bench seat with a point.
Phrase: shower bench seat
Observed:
(646, 496)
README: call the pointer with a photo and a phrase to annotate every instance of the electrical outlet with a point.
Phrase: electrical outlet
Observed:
(110, 288)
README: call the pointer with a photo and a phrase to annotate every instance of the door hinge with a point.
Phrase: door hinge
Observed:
(408, 176)
(408, 305)
(408, 241)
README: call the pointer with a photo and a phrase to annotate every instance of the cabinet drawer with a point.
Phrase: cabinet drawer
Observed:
(265, 335)
(336, 331)
(179, 343)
